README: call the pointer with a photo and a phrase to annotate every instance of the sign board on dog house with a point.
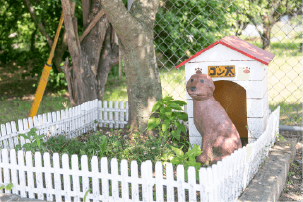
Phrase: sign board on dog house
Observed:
(240, 74)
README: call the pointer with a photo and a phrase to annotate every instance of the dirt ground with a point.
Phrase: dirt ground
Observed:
(293, 189)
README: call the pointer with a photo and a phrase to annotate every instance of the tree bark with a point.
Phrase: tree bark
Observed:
(92, 58)
(265, 37)
(135, 31)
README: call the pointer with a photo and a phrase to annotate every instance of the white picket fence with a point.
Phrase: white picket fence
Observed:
(71, 122)
(224, 181)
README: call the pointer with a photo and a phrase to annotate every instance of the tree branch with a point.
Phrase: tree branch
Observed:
(31, 10)
(92, 24)
(70, 31)
(85, 11)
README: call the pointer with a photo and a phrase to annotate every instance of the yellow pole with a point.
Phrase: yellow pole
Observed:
(45, 74)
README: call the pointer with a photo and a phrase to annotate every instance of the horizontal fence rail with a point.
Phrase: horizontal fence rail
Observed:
(224, 181)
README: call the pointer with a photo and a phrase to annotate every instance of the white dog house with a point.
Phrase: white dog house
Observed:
(240, 74)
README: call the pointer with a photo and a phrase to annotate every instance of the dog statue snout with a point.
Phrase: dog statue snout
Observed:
(193, 88)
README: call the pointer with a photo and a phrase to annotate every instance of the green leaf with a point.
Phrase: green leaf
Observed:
(176, 134)
(175, 106)
(9, 186)
(157, 105)
(183, 116)
(152, 123)
(168, 98)
(181, 127)
(165, 125)
(179, 152)
(179, 102)
(168, 114)
(23, 135)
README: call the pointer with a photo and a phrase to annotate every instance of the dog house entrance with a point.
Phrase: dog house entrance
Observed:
(232, 97)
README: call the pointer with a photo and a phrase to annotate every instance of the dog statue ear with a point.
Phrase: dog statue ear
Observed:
(211, 84)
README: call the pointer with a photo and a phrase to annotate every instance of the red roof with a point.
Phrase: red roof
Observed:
(240, 46)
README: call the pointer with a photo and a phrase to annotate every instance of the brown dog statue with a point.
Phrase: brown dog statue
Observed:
(220, 137)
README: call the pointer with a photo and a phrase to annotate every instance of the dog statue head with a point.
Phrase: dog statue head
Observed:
(200, 86)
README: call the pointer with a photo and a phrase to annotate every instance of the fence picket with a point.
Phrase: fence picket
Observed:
(134, 181)
(116, 115)
(40, 122)
(104, 179)
(47, 172)
(84, 169)
(39, 182)
(180, 183)
(105, 114)
(21, 173)
(9, 134)
(159, 180)
(210, 185)
(170, 182)
(57, 178)
(147, 189)
(192, 182)
(114, 179)
(121, 114)
(75, 174)
(14, 134)
(95, 178)
(5, 169)
(54, 125)
(220, 180)
(14, 171)
(124, 176)
(110, 112)
(204, 195)
(59, 123)
(3, 136)
(29, 165)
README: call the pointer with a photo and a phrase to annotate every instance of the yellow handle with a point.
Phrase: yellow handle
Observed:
(45, 74)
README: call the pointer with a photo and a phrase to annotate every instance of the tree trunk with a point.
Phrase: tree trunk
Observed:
(93, 58)
(265, 37)
(135, 31)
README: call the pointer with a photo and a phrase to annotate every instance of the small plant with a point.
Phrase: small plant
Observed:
(7, 187)
(167, 117)
(188, 159)
(86, 194)
(37, 140)
(290, 182)
(290, 174)
(280, 137)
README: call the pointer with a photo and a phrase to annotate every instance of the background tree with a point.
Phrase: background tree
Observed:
(268, 13)
(189, 26)
(26, 33)
(89, 69)
(46, 12)
(92, 58)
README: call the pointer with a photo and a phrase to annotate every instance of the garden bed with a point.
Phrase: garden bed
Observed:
(124, 133)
